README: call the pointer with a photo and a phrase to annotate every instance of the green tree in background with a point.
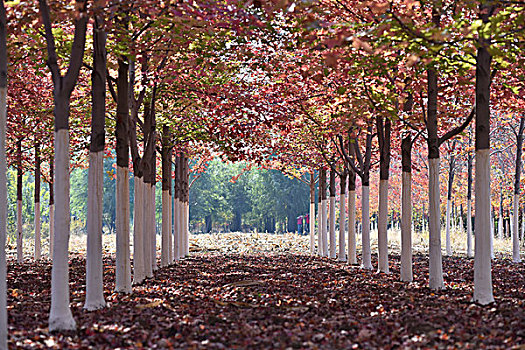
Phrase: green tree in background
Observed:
(265, 200)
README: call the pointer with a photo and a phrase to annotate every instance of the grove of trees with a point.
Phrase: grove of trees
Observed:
(406, 111)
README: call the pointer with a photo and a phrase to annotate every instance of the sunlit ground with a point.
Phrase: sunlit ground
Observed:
(238, 242)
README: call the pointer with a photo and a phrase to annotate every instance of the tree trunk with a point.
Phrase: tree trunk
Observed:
(3, 176)
(352, 241)
(448, 246)
(342, 218)
(176, 211)
(522, 227)
(122, 211)
(320, 216)
(333, 243)
(180, 206)
(186, 208)
(469, 206)
(324, 207)
(94, 266)
(500, 220)
(165, 249)
(435, 258)
(60, 317)
(19, 222)
(51, 207)
(207, 223)
(153, 225)
(149, 159)
(406, 210)
(139, 268)
(482, 259)
(515, 235)
(38, 238)
(365, 209)
(312, 213)
(383, 131)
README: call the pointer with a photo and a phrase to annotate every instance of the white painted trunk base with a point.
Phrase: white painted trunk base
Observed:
(94, 268)
(333, 242)
(3, 219)
(19, 233)
(448, 247)
(51, 230)
(482, 259)
(406, 228)
(170, 229)
(470, 251)
(352, 241)
(319, 229)
(181, 229)
(435, 258)
(366, 252)
(38, 233)
(60, 316)
(382, 233)
(148, 268)
(312, 228)
(342, 220)
(324, 208)
(515, 238)
(123, 268)
(153, 227)
(523, 227)
(176, 230)
(500, 224)
(139, 272)
(165, 250)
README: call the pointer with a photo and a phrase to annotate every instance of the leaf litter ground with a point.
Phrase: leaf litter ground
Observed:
(257, 292)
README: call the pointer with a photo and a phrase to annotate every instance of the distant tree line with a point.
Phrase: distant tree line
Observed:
(259, 199)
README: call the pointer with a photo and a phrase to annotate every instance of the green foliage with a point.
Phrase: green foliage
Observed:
(254, 198)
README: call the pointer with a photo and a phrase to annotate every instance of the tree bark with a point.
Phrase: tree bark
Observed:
(324, 207)
(165, 249)
(342, 217)
(186, 208)
(94, 266)
(482, 259)
(352, 241)
(383, 131)
(469, 205)
(515, 235)
(149, 162)
(19, 222)
(60, 317)
(51, 207)
(176, 211)
(312, 213)
(122, 210)
(435, 258)
(139, 273)
(332, 214)
(451, 172)
(406, 210)
(320, 216)
(38, 238)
